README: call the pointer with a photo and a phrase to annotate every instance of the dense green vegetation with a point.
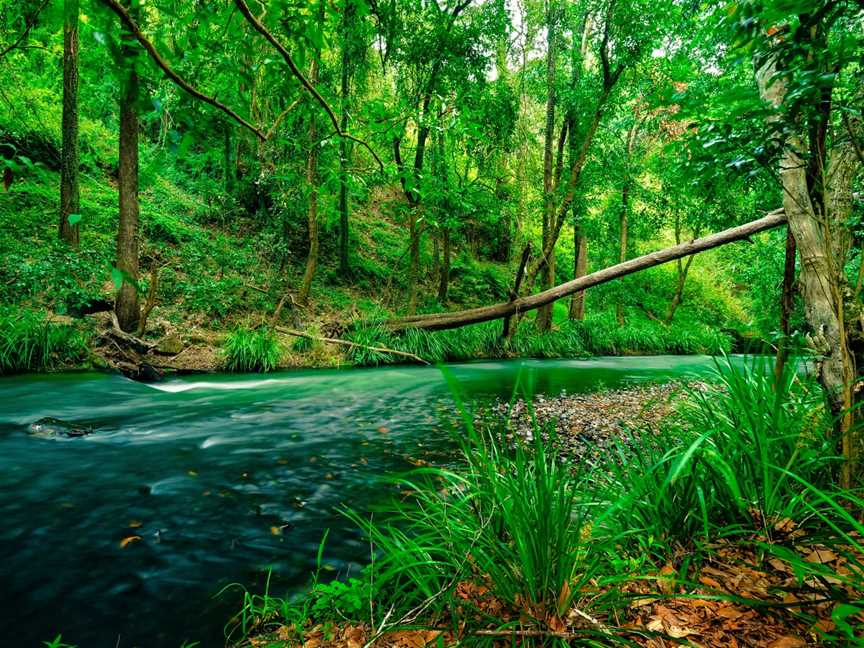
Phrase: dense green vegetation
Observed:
(227, 221)
(516, 539)
(219, 185)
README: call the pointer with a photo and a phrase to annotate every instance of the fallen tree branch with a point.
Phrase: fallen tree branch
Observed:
(348, 343)
(269, 37)
(440, 321)
(133, 27)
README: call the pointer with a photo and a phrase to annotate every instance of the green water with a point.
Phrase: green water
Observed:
(218, 479)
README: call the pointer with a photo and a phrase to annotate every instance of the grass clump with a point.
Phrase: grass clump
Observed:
(31, 342)
(251, 350)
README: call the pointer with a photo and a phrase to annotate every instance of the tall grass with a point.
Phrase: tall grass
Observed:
(251, 350)
(725, 467)
(600, 334)
(504, 541)
(30, 342)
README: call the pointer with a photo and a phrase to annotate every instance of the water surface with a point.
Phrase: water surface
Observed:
(123, 538)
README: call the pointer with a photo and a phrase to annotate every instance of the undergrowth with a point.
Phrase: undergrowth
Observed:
(515, 540)
(599, 334)
(31, 342)
(251, 350)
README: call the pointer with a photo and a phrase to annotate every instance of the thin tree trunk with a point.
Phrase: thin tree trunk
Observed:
(439, 321)
(580, 267)
(625, 207)
(312, 208)
(444, 284)
(413, 259)
(69, 162)
(509, 329)
(787, 299)
(544, 314)
(126, 304)
(683, 268)
(622, 242)
(344, 149)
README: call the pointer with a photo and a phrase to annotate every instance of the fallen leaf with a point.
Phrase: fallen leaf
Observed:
(821, 556)
(129, 540)
(787, 642)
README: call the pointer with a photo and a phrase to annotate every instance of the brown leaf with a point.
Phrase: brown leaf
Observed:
(129, 540)
(787, 641)
(564, 598)
(821, 556)
(730, 612)
(666, 580)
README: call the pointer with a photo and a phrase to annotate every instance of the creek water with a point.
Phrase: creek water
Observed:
(125, 536)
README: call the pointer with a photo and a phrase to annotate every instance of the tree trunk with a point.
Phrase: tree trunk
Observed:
(440, 321)
(344, 148)
(69, 162)
(683, 268)
(312, 207)
(126, 304)
(622, 242)
(625, 207)
(787, 299)
(544, 314)
(580, 267)
(413, 259)
(817, 197)
(444, 285)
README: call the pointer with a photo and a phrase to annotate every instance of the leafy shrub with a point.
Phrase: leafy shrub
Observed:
(29, 342)
(248, 350)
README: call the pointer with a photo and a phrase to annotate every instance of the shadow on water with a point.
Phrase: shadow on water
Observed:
(193, 483)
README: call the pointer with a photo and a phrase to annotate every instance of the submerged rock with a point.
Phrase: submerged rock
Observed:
(53, 428)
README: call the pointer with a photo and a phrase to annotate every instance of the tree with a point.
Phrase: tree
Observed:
(312, 180)
(807, 63)
(68, 228)
(126, 304)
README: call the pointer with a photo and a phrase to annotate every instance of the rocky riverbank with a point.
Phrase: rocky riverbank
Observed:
(586, 425)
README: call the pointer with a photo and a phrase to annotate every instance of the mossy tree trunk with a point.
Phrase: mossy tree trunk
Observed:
(70, 155)
(126, 304)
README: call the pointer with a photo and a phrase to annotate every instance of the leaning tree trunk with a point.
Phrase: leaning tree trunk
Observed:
(69, 157)
(126, 303)
(440, 321)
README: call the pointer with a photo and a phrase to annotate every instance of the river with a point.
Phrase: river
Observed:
(123, 537)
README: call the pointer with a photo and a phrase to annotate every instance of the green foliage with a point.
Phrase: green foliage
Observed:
(57, 642)
(727, 467)
(513, 520)
(30, 342)
(248, 350)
